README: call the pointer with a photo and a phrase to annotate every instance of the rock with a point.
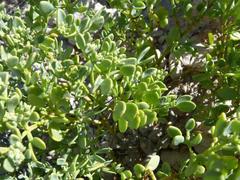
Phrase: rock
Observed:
(146, 145)
(175, 157)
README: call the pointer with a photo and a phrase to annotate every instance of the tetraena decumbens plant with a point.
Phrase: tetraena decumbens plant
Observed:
(72, 76)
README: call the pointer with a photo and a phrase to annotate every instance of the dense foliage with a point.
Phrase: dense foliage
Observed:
(75, 79)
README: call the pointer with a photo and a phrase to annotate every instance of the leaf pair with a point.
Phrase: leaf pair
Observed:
(176, 134)
(132, 115)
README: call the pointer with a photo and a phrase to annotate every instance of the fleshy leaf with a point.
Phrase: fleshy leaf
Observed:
(106, 86)
(8, 165)
(55, 134)
(119, 110)
(38, 143)
(173, 131)
(153, 162)
(131, 111)
(122, 125)
(46, 7)
(178, 140)
(186, 106)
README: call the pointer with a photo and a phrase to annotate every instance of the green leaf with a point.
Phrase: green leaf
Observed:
(220, 125)
(106, 86)
(173, 35)
(34, 116)
(199, 171)
(28, 154)
(61, 17)
(82, 142)
(197, 139)
(161, 85)
(163, 17)
(235, 126)
(139, 4)
(59, 119)
(228, 150)
(231, 162)
(123, 176)
(85, 24)
(105, 65)
(2, 110)
(128, 70)
(97, 23)
(143, 54)
(4, 76)
(190, 124)
(128, 61)
(18, 22)
(139, 169)
(184, 98)
(38, 143)
(151, 116)
(12, 61)
(9, 40)
(213, 175)
(8, 165)
(191, 168)
(178, 140)
(57, 94)
(211, 38)
(97, 83)
(173, 131)
(140, 88)
(151, 97)
(46, 7)
(106, 46)
(53, 176)
(55, 134)
(32, 58)
(149, 72)
(122, 125)
(235, 36)
(148, 60)
(119, 110)
(227, 93)
(131, 111)
(80, 41)
(153, 162)
(83, 72)
(37, 101)
(13, 139)
(143, 105)
(134, 122)
(166, 168)
(69, 19)
(12, 103)
(4, 150)
(127, 173)
(186, 106)
(143, 118)
(164, 22)
(61, 162)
